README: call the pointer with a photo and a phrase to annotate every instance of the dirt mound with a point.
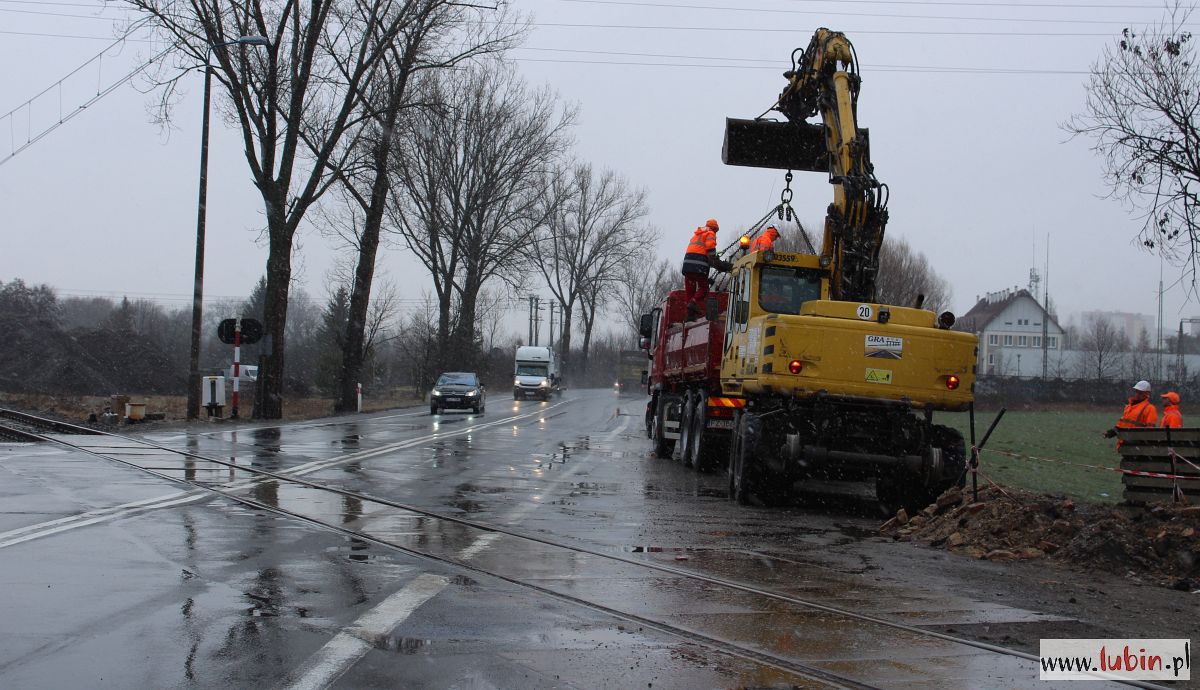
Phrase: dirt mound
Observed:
(1159, 542)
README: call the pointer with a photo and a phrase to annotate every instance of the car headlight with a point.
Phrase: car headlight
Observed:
(544, 384)
(516, 382)
(472, 394)
(437, 393)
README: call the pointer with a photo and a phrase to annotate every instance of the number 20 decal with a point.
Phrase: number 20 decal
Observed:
(864, 312)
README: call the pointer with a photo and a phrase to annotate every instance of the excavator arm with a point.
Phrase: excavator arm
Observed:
(824, 80)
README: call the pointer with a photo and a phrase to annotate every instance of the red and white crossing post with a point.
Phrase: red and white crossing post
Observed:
(237, 366)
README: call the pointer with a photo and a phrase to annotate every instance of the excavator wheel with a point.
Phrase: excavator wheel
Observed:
(749, 481)
(954, 456)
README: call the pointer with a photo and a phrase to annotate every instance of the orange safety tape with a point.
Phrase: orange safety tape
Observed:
(1136, 473)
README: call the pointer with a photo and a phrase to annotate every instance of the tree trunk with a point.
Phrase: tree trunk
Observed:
(589, 318)
(564, 344)
(268, 399)
(354, 345)
(463, 346)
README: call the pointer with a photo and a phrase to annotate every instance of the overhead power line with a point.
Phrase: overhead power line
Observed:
(40, 34)
(840, 13)
(746, 29)
(67, 116)
(878, 68)
(758, 29)
(774, 64)
(12, 10)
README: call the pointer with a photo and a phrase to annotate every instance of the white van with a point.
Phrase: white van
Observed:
(536, 373)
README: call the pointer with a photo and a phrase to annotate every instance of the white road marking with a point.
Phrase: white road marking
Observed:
(51, 527)
(352, 643)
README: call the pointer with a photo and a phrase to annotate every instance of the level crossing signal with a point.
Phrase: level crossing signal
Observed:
(252, 331)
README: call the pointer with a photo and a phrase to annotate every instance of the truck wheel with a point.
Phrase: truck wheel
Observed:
(684, 447)
(662, 445)
(650, 418)
(710, 449)
(696, 437)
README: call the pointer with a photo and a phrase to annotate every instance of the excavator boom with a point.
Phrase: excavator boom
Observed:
(824, 81)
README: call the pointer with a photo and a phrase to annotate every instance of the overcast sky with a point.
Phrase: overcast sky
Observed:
(964, 102)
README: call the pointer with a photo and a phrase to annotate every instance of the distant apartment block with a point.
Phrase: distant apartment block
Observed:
(1130, 324)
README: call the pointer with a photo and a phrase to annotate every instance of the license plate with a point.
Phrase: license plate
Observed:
(719, 423)
(453, 399)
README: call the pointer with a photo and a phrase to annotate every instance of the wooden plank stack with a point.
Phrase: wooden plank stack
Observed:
(1148, 450)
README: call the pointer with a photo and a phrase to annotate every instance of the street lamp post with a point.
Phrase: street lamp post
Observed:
(193, 396)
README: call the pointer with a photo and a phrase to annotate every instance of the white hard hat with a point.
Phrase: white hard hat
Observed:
(1143, 386)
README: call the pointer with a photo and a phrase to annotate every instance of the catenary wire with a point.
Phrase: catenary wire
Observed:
(841, 13)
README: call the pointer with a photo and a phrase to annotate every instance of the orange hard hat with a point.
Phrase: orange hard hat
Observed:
(1171, 397)
(711, 224)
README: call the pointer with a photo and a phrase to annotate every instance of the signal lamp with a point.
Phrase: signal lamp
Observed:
(945, 320)
(952, 383)
(795, 366)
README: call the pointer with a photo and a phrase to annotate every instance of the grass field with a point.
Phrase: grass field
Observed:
(1072, 436)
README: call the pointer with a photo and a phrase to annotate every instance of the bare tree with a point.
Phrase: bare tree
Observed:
(905, 273)
(1103, 345)
(643, 285)
(1143, 115)
(440, 35)
(592, 231)
(470, 174)
(295, 100)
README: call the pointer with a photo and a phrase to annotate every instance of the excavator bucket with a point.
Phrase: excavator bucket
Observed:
(781, 145)
(768, 144)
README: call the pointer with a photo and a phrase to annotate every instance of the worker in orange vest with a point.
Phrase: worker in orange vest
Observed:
(1171, 419)
(1139, 412)
(766, 241)
(700, 257)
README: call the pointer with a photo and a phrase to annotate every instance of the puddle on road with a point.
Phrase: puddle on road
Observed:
(400, 645)
(650, 490)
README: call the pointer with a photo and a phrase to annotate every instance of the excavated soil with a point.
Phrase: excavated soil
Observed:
(1158, 543)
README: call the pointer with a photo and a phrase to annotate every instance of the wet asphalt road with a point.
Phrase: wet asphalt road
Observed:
(116, 578)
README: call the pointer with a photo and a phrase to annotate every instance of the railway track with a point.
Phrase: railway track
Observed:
(232, 490)
(24, 427)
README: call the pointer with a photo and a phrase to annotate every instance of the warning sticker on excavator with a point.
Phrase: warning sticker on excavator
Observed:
(879, 375)
(884, 347)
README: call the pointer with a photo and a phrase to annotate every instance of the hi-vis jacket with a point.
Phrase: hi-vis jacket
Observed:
(701, 249)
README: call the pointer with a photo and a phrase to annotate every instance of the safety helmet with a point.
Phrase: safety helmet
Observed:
(1171, 397)
(711, 224)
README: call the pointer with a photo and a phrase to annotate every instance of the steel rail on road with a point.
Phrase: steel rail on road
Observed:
(35, 422)
(724, 646)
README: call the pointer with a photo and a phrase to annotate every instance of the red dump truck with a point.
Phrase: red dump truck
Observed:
(685, 376)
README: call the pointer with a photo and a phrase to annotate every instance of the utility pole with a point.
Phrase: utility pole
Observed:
(531, 319)
(1046, 316)
(537, 319)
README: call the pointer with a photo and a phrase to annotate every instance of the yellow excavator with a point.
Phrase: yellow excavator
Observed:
(831, 383)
